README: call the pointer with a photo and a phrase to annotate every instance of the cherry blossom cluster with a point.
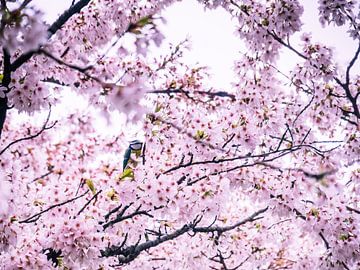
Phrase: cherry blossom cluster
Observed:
(22, 29)
(263, 25)
(339, 13)
(263, 175)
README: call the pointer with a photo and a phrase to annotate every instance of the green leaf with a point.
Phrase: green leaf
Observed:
(314, 212)
(144, 21)
(90, 185)
(200, 134)
(344, 237)
(112, 195)
(158, 107)
(127, 173)
(265, 22)
(208, 193)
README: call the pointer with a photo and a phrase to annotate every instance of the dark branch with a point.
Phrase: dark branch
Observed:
(316, 176)
(35, 217)
(353, 210)
(44, 127)
(50, 171)
(5, 82)
(126, 254)
(89, 201)
(220, 230)
(52, 30)
(210, 94)
(228, 140)
(326, 243)
(267, 157)
(352, 62)
(82, 70)
(121, 216)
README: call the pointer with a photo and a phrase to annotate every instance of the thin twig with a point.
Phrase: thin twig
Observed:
(35, 217)
(89, 201)
(44, 127)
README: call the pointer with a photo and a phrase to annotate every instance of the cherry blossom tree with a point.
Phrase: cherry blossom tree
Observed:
(260, 176)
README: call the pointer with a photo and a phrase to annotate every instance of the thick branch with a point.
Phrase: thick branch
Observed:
(52, 30)
(5, 82)
(129, 253)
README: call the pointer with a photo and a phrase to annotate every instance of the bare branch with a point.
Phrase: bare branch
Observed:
(94, 197)
(351, 64)
(121, 216)
(210, 94)
(304, 109)
(25, 3)
(326, 243)
(82, 70)
(35, 217)
(219, 229)
(50, 171)
(44, 127)
(353, 210)
(229, 140)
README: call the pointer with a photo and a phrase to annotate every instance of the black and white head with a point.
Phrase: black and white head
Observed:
(135, 145)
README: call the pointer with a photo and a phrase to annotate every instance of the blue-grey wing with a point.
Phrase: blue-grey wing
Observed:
(126, 157)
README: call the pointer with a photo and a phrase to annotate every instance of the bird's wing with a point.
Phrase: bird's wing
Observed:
(126, 157)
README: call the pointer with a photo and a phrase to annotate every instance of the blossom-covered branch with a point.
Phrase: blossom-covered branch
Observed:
(52, 30)
(126, 254)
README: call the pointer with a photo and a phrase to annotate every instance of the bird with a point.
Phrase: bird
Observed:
(134, 146)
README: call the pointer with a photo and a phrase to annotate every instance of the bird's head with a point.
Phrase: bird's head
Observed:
(135, 145)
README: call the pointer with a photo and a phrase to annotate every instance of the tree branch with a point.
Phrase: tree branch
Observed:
(5, 82)
(76, 8)
(126, 254)
(351, 64)
(211, 95)
(89, 201)
(44, 127)
(280, 152)
(82, 70)
(120, 216)
(220, 230)
(35, 217)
